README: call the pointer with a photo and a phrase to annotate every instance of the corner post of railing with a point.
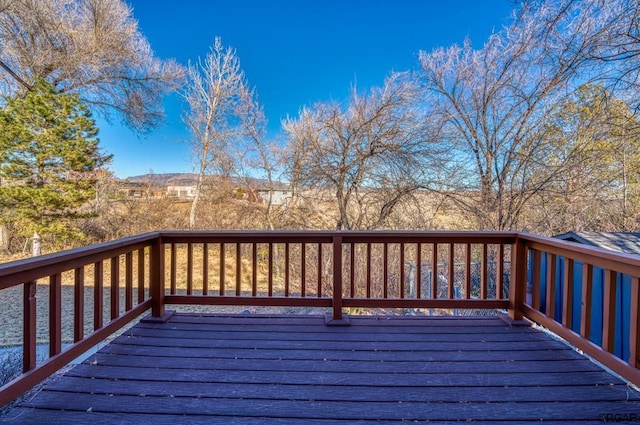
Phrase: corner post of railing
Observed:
(337, 318)
(156, 281)
(518, 280)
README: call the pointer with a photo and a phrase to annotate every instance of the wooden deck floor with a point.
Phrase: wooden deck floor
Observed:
(293, 369)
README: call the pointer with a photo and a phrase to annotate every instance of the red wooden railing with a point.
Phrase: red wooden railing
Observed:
(440, 271)
(49, 269)
(570, 313)
(351, 269)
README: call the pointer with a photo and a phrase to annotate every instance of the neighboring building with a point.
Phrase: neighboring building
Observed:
(279, 195)
(627, 242)
(181, 191)
(182, 187)
(133, 189)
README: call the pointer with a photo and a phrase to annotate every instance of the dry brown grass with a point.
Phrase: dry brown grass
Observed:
(11, 315)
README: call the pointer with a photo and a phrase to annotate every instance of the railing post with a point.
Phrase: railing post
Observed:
(55, 314)
(29, 329)
(337, 318)
(156, 282)
(518, 279)
(634, 331)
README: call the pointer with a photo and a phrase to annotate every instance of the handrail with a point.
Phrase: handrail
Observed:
(68, 268)
(17, 272)
(619, 261)
(336, 270)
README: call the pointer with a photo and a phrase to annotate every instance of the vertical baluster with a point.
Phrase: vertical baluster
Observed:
(115, 287)
(29, 329)
(483, 273)
(352, 270)
(286, 269)
(368, 270)
(419, 270)
(609, 311)
(270, 271)
(222, 272)
(535, 277)
(587, 299)
(634, 329)
(402, 289)
(467, 271)
(78, 304)
(500, 273)
(450, 275)
(238, 269)
(141, 275)
(174, 267)
(55, 314)
(128, 281)
(434, 272)
(205, 268)
(567, 293)
(551, 285)
(385, 270)
(319, 293)
(303, 270)
(98, 294)
(189, 268)
(254, 270)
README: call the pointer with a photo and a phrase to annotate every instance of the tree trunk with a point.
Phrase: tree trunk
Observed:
(4, 238)
(36, 245)
(196, 198)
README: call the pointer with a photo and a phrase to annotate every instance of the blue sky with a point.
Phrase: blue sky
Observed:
(293, 52)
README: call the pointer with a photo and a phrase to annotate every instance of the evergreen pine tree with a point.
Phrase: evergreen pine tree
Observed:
(48, 157)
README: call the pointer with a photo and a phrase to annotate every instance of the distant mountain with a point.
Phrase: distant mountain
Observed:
(166, 179)
(161, 179)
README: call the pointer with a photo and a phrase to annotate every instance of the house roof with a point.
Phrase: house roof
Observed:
(627, 242)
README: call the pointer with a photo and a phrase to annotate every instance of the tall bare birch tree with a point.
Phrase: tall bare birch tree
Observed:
(369, 153)
(89, 47)
(216, 95)
(257, 159)
(493, 103)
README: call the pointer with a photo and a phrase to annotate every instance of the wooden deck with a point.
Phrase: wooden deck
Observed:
(252, 369)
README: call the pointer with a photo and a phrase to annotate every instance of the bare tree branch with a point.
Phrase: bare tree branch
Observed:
(371, 152)
(90, 47)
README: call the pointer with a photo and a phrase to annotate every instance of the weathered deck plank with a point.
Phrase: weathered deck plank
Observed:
(370, 366)
(248, 369)
(343, 392)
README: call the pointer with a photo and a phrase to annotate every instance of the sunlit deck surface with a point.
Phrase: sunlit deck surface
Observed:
(291, 369)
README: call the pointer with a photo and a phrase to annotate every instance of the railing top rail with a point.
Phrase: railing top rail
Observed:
(16, 272)
(312, 236)
(456, 237)
(618, 261)
(20, 271)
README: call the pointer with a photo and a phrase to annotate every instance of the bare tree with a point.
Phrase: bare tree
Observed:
(369, 153)
(216, 94)
(493, 103)
(90, 47)
(618, 59)
(257, 160)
